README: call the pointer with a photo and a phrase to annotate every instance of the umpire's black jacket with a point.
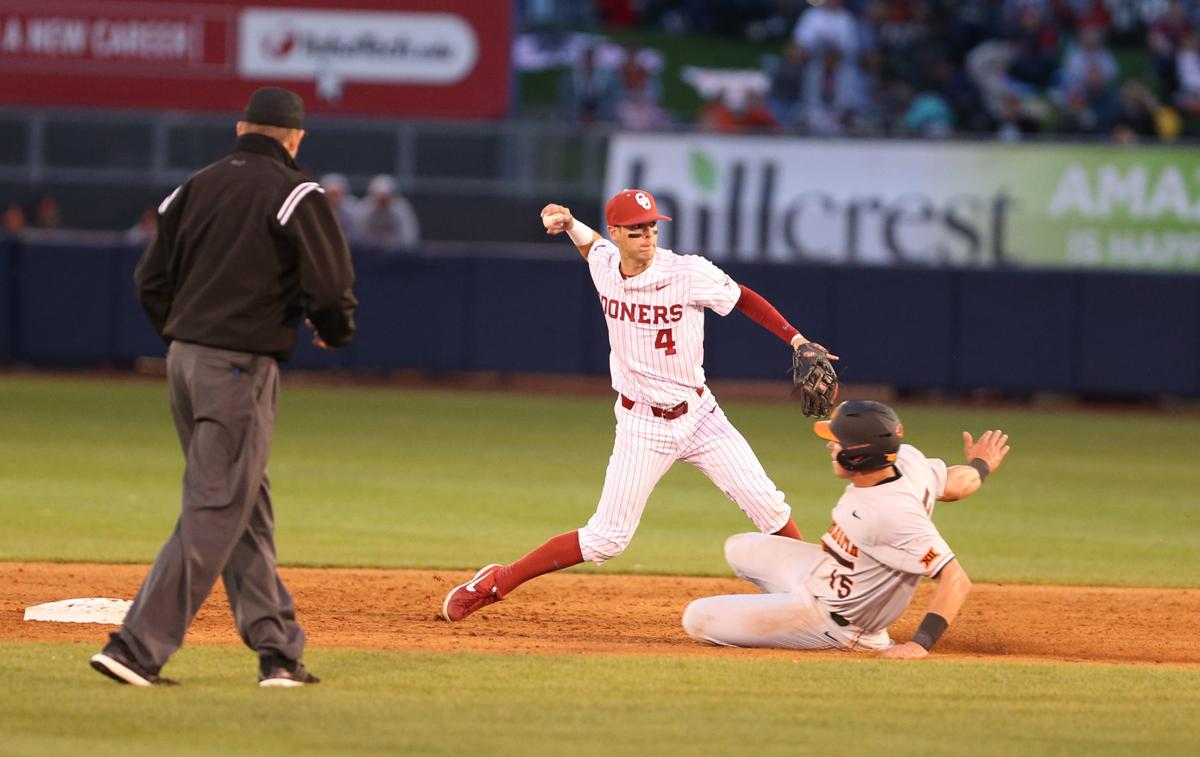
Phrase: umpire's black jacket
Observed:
(244, 248)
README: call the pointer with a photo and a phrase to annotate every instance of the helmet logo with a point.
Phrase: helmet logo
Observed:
(641, 198)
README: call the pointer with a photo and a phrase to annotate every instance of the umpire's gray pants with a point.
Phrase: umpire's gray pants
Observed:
(224, 407)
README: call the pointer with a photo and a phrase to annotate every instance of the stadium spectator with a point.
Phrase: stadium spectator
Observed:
(1088, 94)
(752, 115)
(1080, 118)
(910, 43)
(755, 116)
(557, 14)
(1164, 38)
(46, 213)
(1090, 66)
(14, 221)
(870, 27)
(987, 65)
(146, 227)
(1015, 120)
(638, 107)
(588, 91)
(1187, 69)
(970, 24)
(385, 220)
(827, 26)
(1034, 62)
(1138, 116)
(621, 14)
(638, 111)
(834, 96)
(1076, 14)
(929, 116)
(955, 87)
(751, 19)
(716, 115)
(640, 72)
(337, 191)
(786, 75)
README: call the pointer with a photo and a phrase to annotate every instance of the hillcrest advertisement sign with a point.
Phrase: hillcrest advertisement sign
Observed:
(919, 203)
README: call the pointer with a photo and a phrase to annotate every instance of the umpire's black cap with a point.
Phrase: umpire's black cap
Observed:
(869, 432)
(275, 106)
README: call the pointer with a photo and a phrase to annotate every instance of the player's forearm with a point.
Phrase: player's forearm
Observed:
(584, 249)
(757, 309)
(961, 481)
(583, 236)
(952, 590)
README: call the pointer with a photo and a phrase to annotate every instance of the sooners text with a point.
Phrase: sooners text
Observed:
(647, 314)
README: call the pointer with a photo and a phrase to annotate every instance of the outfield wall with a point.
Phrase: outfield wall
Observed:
(1009, 330)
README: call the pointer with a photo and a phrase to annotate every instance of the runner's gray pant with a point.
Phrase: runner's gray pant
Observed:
(224, 406)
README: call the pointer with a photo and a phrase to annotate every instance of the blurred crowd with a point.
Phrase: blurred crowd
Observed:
(1122, 69)
(383, 220)
(43, 214)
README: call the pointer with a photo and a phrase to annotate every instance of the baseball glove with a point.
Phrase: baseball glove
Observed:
(814, 378)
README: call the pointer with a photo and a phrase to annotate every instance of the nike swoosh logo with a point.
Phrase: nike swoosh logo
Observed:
(855, 514)
(662, 286)
(471, 586)
(831, 637)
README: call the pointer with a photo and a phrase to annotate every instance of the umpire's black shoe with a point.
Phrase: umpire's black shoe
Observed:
(276, 672)
(117, 663)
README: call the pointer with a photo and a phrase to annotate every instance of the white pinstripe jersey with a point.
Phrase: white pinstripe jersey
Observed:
(656, 321)
(881, 542)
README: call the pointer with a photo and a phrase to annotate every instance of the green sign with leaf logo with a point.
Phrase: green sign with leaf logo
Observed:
(920, 203)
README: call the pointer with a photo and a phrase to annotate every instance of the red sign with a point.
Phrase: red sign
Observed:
(394, 58)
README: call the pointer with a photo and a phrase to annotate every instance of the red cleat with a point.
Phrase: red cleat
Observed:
(465, 599)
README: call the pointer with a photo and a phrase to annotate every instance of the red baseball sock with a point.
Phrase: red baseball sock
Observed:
(560, 552)
(790, 530)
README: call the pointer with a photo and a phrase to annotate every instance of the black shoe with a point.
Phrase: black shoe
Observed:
(117, 663)
(276, 672)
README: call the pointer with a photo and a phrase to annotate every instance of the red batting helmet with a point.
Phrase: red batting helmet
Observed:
(631, 207)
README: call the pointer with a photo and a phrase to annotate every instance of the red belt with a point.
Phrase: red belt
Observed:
(666, 413)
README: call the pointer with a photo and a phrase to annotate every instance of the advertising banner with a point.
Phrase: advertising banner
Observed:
(909, 203)
(85, 40)
(363, 57)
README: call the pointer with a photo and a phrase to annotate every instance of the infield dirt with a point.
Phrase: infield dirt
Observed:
(565, 614)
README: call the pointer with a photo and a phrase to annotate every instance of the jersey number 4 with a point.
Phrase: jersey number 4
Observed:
(665, 341)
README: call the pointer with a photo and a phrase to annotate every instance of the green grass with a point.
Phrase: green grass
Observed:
(90, 470)
(393, 703)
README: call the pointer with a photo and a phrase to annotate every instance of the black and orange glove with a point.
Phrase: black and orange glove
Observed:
(814, 378)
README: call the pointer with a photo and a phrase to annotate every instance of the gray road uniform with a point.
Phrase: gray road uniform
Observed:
(843, 592)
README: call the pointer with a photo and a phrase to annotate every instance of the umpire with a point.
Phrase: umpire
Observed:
(243, 250)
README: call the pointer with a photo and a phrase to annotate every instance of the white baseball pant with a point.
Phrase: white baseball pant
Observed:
(787, 616)
(644, 450)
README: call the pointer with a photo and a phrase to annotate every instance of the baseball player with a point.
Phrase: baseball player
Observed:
(653, 301)
(844, 592)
